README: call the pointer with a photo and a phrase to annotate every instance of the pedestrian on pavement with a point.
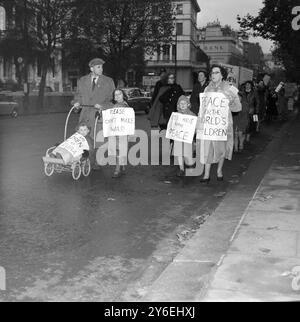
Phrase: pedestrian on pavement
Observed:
(250, 104)
(212, 152)
(261, 90)
(240, 119)
(198, 88)
(183, 151)
(96, 90)
(240, 124)
(282, 104)
(169, 100)
(271, 101)
(163, 79)
(118, 145)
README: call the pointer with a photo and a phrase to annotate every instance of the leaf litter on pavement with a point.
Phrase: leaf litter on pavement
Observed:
(264, 198)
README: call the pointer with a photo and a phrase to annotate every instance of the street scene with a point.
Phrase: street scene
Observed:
(154, 158)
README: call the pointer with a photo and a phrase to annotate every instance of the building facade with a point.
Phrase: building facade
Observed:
(183, 56)
(254, 56)
(12, 65)
(221, 44)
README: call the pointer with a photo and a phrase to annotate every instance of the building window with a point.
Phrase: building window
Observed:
(2, 19)
(173, 52)
(179, 9)
(179, 28)
(155, 10)
(166, 52)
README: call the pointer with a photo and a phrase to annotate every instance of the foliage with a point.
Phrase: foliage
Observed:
(274, 23)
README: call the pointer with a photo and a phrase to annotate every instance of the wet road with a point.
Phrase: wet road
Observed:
(98, 239)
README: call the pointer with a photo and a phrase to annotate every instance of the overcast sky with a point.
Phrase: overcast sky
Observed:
(227, 10)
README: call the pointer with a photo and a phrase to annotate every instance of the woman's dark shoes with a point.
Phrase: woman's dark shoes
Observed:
(220, 178)
(203, 180)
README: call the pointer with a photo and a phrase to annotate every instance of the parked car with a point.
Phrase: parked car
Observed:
(137, 100)
(145, 93)
(8, 106)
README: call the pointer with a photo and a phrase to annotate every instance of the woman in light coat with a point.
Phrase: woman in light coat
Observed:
(211, 151)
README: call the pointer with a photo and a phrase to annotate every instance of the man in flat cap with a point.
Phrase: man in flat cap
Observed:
(96, 90)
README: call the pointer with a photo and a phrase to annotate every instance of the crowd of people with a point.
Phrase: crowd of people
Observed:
(248, 107)
(251, 104)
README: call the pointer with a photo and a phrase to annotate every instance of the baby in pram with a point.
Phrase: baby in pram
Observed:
(75, 147)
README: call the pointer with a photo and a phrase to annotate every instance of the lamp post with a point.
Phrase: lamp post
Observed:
(175, 26)
(176, 53)
(26, 56)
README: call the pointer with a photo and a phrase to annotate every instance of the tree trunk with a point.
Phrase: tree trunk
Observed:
(42, 87)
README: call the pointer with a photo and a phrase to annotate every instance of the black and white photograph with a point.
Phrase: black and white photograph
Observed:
(150, 154)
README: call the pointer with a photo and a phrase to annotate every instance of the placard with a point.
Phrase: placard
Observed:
(181, 127)
(118, 121)
(75, 145)
(213, 117)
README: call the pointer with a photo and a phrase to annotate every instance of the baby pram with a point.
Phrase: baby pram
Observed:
(78, 167)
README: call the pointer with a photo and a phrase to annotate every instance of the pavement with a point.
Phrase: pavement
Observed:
(249, 248)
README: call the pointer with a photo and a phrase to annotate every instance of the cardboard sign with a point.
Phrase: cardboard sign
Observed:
(181, 127)
(213, 117)
(75, 144)
(118, 121)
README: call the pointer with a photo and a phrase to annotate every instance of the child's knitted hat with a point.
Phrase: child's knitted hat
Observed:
(183, 98)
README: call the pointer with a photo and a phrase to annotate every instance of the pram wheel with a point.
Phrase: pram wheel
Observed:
(76, 171)
(86, 167)
(49, 169)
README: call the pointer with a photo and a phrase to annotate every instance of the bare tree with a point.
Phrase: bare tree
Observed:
(48, 26)
(119, 28)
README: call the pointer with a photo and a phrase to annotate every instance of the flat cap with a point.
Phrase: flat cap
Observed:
(96, 61)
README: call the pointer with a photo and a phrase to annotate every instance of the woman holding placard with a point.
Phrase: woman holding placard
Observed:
(215, 125)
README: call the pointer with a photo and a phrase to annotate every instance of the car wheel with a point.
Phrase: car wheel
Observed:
(147, 110)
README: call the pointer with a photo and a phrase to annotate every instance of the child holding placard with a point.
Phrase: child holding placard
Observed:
(183, 151)
(118, 145)
(75, 147)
